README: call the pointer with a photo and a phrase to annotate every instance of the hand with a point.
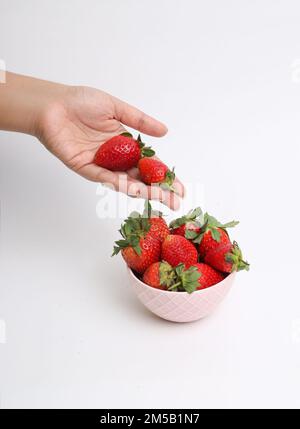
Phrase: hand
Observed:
(72, 122)
(74, 125)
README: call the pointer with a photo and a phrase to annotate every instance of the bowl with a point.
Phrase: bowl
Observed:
(181, 306)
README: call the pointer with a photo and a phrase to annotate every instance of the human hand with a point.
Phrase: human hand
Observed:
(72, 122)
(74, 125)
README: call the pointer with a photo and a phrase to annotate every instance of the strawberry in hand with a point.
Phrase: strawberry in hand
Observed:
(122, 152)
(153, 171)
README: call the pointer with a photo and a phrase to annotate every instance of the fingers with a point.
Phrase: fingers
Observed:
(122, 182)
(138, 120)
(179, 188)
(138, 189)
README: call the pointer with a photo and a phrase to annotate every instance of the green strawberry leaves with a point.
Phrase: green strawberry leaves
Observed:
(187, 279)
(192, 215)
(146, 151)
(235, 257)
(206, 222)
(216, 234)
(195, 217)
(231, 224)
(149, 212)
(213, 225)
(212, 222)
(191, 235)
(167, 274)
(167, 184)
(126, 134)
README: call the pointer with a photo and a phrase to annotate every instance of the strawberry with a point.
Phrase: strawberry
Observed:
(141, 238)
(121, 152)
(208, 276)
(227, 258)
(158, 226)
(199, 276)
(213, 234)
(177, 249)
(139, 257)
(154, 171)
(159, 275)
(189, 226)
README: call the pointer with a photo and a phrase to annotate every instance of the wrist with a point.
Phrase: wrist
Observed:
(47, 95)
(23, 101)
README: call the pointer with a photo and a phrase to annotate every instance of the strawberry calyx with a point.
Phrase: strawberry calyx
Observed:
(146, 151)
(186, 279)
(235, 257)
(167, 274)
(192, 217)
(167, 183)
(149, 212)
(211, 224)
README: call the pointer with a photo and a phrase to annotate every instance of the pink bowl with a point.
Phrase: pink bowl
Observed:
(181, 306)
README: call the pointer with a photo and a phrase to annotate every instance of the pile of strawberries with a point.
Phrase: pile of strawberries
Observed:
(123, 152)
(194, 252)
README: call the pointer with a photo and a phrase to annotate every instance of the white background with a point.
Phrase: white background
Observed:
(225, 77)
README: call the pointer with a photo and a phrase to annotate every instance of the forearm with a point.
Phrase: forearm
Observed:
(22, 101)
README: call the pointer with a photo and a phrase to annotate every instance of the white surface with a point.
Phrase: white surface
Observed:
(224, 77)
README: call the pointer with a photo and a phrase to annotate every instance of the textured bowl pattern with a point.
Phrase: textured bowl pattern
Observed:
(181, 306)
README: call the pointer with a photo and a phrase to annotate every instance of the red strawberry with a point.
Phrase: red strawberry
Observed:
(121, 153)
(211, 241)
(197, 276)
(159, 275)
(189, 226)
(208, 276)
(158, 228)
(213, 234)
(141, 239)
(140, 260)
(177, 250)
(227, 258)
(154, 171)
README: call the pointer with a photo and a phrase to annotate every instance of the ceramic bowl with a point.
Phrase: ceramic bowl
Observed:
(181, 306)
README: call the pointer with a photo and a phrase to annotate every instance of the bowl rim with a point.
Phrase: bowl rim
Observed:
(155, 290)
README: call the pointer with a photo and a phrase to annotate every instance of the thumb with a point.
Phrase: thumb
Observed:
(138, 120)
